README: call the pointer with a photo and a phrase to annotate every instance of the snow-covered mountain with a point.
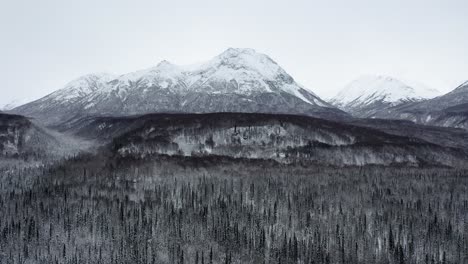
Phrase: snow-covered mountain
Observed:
(375, 96)
(238, 80)
(449, 110)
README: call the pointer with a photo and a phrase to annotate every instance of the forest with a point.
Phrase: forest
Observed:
(204, 210)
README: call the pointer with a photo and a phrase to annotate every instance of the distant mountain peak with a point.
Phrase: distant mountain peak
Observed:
(164, 63)
(376, 95)
(233, 52)
(371, 88)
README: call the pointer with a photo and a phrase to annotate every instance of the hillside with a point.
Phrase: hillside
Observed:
(286, 138)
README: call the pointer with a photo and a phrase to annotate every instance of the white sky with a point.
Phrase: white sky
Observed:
(322, 44)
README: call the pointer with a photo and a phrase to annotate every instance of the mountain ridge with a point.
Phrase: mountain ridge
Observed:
(237, 80)
(286, 138)
(448, 110)
(375, 95)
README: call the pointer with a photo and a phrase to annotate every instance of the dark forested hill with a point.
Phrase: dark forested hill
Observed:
(286, 138)
(445, 136)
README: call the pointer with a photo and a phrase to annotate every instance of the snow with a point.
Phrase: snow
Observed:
(248, 59)
(249, 69)
(243, 71)
(164, 84)
(82, 86)
(89, 105)
(294, 91)
(368, 89)
(320, 103)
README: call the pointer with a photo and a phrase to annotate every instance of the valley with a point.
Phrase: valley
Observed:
(233, 161)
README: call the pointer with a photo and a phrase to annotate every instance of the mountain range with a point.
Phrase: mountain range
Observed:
(375, 96)
(388, 98)
(238, 80)
(450, 110)
(243, 80)
(373, 120)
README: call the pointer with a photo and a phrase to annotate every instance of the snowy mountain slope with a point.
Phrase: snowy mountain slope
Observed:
(81, 87)
(238, 80)
(456, 97)
(63, 102)
(449, 110)
(374, 96)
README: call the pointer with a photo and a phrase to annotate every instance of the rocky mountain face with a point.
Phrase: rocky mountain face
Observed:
(285, 138)
(238, 80)
(380, 96)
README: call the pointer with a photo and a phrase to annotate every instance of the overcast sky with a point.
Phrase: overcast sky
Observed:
(322, 44)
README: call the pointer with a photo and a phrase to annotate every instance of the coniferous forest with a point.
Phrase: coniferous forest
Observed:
(204, 210)
(234, 132)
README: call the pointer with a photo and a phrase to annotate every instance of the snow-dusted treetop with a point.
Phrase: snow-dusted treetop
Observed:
(368, 89)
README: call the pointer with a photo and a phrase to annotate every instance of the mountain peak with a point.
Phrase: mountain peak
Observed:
(370, 88)
(235, 62)
(237, 80)
(243, 55)
(232, 52)
(164, 63)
